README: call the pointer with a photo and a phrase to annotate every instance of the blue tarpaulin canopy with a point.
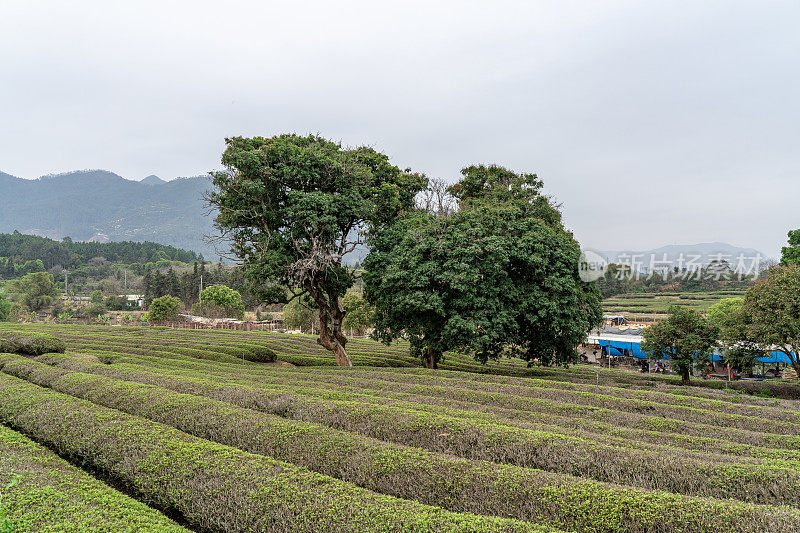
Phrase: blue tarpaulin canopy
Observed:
(634, 349)
(628, 342)
(775, 357)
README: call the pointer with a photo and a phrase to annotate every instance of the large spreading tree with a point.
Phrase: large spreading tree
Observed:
(293, 207)
(771, 311)
(790, 255)
(686, 338)
(220, 301)
(35, 291)
(497, 276)
(740, 350)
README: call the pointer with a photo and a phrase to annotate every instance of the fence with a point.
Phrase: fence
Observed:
(276, 325)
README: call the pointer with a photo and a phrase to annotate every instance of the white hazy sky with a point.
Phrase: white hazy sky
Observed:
(653, 122)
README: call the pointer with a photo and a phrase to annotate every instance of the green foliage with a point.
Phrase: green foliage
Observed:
(618, 280)
(118, 303)
(95, 309)
(658, 303)
(261, 494)
(55, 496)
(298, 314)
(294, 206)
(35, 291)
(772, 313)
(22, 254)
(5, 305)
(495, 184)
(6, 526)
(498, 276)
(30, 342)
(790, 255)
(686, 338)
(223, 296)
(732, 321)
(96, 306)
(221, 301)
(164, 309)
(359, 314)
(407, 472)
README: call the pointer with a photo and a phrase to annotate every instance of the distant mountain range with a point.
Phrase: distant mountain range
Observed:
(97, 205)
(701, 254)
(100, 206)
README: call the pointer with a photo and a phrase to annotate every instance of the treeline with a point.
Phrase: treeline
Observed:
(618, 279)
(187, 284)
(21, 254)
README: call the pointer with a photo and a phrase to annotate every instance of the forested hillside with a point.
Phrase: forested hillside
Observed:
(101, 205)
(22, 254)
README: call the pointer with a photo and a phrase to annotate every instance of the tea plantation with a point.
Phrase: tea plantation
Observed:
(150, 429)
(654, 305)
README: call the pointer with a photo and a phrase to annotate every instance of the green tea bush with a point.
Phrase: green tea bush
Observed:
(261, 354)
(51, 495)
(30, 343)
(478, 437)
(216, 487)
(457, 484)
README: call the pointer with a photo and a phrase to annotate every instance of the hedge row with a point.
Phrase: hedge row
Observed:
(303, 350)
(297, 349)
(53, 495)
(533, 387)
(478, 487)
(668, 469)
(578, 420)
(29, 343)
(216, 487)
(229, 354)
(538, 393)
(526, 406)
(569, 418)
(515, 410)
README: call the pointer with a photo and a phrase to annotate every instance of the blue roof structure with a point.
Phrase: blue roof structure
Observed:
(775, 357)
(619, 345)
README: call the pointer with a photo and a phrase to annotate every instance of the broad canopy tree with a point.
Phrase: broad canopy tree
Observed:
(497, 276)
(221, 301)
(791, 254)
(165, 308)
(771, 312)
(35, 291)
(686, 338)
(740, 351)
(294, 206)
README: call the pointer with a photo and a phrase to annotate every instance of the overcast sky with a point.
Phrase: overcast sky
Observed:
(653, 122)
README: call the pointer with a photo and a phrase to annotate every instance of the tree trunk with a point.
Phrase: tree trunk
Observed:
(794, 359)
(331, 335)
(429, 358)
(342, 358)
(685, 378)
(795, 365)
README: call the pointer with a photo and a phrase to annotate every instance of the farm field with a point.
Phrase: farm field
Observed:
(654, 305)
(202, 431)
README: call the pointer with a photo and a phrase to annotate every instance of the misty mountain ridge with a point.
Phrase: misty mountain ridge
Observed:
(101, 206)
(98, 205)
(685, 255)
(152, 179)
